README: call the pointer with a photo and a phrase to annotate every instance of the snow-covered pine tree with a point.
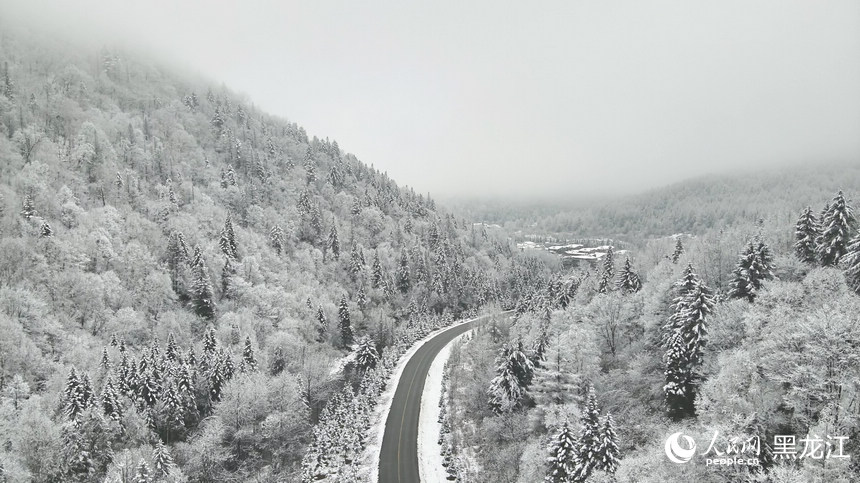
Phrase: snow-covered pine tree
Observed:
(852, 264)
(742, 284)
(162, 459)
(250, 362)
(333, 243)
(227, 240)
(540, 346)
(227, 284)
(607, 454)
(836, 230)
(514, 372)
(73, 403)
(322, 323)
(628, 280)
(202, 297)
(679, 250)
(403, 276)
(356, 261)
(210, 342)
(589, 440)
(691, 321)
(755, 265)
(366, 355)
(310, 168)
(45, 231)
(765, 261)
(361, 298)
(679, 379)
(682, 287)
(562, 456)
(806, 232)
(376, 277)
(28, 209)
(346, 336)
(609, 263)
(276, 239)
(105, 361)
(172, 352)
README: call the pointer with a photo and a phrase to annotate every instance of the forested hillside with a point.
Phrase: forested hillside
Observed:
(743, 339)
(182, 274)
(693, 206)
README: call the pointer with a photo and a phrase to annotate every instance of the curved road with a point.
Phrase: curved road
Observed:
(398, 459)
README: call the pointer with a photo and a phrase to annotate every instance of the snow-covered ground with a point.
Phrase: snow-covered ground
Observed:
(429, 451)
(370, 457)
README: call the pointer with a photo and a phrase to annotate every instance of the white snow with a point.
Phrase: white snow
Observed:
(370, 456)
(430, 467)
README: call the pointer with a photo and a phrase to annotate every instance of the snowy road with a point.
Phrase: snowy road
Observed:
(398, 460)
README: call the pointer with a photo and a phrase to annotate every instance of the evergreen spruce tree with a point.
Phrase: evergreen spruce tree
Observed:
(362, 298)
(685, 335)
(679, 250)
(356, 261)
(322, 324)
(227, 273)
(679, 379)
(589, 441)
(162, 460)
(607, 453)
(105, 362)
(514, 372)
(210, 342)
(562, 456)
(852, 264)
(366, 355)
(376, 278)
(276, 238)
(202, 295)
(310, 168)
(333, 242)
(227, 241)
(403, 276)
(73, 400)
(806, 232)
(346, 335)
(628, 280)
(172, 352)
(609, 263)
(45, 231)
(836, 230)
(754, 266)
(540, 346)
(690, 322)
(28, 210)
(177, 257)
(248, 355)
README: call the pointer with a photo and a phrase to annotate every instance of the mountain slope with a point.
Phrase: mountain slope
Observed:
(180, 271)
(694, 206)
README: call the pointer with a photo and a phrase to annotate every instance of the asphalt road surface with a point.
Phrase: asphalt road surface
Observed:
(398, 459)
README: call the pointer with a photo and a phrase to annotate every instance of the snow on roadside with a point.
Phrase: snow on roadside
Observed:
(430, 467)
(370, 456)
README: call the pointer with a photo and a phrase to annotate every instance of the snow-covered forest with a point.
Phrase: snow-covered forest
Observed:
(748, 332)
(184, 277)
(193, 290)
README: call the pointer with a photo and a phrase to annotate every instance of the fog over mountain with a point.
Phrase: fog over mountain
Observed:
(570, 99)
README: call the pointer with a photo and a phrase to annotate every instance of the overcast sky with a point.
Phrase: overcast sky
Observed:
(567, 98)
